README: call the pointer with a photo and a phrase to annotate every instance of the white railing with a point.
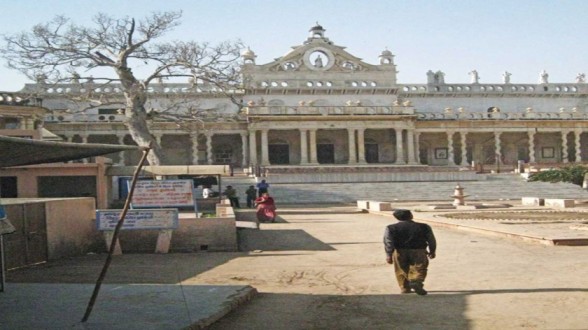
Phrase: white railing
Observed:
(327, 110)
(502, 116)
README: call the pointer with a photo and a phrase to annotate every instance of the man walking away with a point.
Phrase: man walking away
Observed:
(406, 245)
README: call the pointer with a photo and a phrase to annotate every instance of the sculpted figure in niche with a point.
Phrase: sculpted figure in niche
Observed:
(318, 62)
(506, 77)
(543, 78)
(475, 77)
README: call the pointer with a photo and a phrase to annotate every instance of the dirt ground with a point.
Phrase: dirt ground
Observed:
(327, 271)
(324, 268)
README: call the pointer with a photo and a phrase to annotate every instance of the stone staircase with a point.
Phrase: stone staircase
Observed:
(495, 187)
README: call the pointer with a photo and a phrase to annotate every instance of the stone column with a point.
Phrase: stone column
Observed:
(417, 154)
(450, 151)
(564, 147)
(84, 141)
(352, 149)
(531, 147)
(194, 139)
(121, 154)
(244, 150)
(264, 148)
(252, 148)
(209, 157)
(313, 159)
(410, 144)
(303, 147)
(578, 146)
(497, 148)
(464, 149)
(361, 145)
(399, 147)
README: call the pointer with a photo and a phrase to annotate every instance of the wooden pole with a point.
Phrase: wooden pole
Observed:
(115, 236)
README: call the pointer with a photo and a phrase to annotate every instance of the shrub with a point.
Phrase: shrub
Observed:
(572, 174)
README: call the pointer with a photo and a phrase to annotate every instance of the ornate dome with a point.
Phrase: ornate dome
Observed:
(248, 56)
(248, 53)
(386, 53)
(317, 31)
(316, 27)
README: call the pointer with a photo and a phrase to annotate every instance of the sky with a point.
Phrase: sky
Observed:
(522, 37)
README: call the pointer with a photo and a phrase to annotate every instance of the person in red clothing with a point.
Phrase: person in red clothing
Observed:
(266, 208)
(406, 244)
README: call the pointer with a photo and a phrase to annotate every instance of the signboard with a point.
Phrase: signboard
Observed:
(163, 193)
(138, 219)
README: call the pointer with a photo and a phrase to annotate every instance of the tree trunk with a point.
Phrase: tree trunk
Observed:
(136, 115)
(136, 122)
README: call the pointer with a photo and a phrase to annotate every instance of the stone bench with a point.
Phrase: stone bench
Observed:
(560, 203)
(363, 205)
(532, 201)
(380, 206)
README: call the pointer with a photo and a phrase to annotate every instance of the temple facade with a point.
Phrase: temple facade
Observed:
(320, 105)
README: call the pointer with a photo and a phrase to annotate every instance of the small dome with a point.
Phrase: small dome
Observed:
(248, 53)
(317, 31)
(316, 27)
(386, 53)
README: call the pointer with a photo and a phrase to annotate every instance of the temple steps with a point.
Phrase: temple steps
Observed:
(495, 187)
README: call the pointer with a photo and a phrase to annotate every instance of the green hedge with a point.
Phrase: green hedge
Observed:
(572, 174)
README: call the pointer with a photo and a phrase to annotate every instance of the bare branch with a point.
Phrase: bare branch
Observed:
(60, 51)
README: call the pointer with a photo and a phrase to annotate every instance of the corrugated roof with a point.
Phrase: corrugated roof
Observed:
(19, 151)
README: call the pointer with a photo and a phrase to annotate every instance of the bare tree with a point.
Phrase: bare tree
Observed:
(60, 51)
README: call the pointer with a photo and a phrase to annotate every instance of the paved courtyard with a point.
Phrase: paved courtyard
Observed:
(323, 268)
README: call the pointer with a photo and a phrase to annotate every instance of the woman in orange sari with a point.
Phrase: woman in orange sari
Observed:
(266, 208)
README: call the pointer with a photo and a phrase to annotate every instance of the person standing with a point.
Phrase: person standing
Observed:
(406, 244)
(262, 187)
(231, 194)
(251, 194)
(266, 208)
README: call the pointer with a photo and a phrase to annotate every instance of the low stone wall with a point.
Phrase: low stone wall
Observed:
(559, 203)
(192, 235)
(49, 229)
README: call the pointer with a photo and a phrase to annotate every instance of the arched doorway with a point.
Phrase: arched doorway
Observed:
(325, 150)
(372, 153)
(279, 153)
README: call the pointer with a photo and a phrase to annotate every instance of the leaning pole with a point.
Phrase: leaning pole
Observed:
(115, 236)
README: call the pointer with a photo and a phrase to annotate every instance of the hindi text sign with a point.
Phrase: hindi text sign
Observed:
(138, 219)
(163, 193)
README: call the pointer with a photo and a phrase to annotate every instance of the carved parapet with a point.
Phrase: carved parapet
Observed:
(328, 110)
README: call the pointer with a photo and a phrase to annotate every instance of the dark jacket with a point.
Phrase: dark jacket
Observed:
(409, 235)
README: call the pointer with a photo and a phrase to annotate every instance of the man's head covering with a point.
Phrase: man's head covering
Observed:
(402, 215)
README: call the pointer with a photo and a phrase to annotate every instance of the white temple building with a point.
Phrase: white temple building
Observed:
(319, 107)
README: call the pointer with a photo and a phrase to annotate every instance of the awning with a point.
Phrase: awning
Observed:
(19, 151)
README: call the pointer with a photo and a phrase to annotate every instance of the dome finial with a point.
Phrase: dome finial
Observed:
(317, 31)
